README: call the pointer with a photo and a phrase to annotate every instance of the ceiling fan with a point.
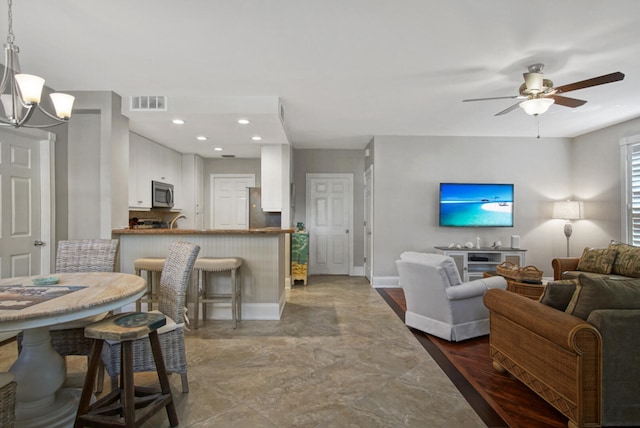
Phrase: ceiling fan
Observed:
(539, 92)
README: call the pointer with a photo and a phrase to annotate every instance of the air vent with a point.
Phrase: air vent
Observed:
(228, 156)
(149, 103)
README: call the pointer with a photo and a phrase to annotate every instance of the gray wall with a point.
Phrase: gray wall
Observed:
(407, 173)
(335, 161)
(597, 180)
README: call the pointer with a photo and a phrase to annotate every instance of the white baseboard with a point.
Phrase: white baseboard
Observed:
(385, 282)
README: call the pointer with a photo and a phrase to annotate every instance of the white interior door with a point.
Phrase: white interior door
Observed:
(20, 198)
(368, 223)
(329, 202)
(230, 200)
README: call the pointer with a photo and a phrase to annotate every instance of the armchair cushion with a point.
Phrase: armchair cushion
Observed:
(448, 265)
(603, 293)
(558, 294)
(597, 260)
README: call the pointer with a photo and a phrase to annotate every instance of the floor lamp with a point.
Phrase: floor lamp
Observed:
(568, 210)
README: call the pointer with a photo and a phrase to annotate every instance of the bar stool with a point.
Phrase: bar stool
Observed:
(151, 265)
(205, 265)
(7, 400)
(123, 402)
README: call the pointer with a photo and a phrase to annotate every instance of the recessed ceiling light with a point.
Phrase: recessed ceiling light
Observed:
(243, 121)
(256, 138)
(178, 121)
(218, 149)
(201, 138)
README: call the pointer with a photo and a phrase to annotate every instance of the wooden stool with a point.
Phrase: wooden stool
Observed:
(7, 400)
(151, 265)
(217, 264)
(123, 402)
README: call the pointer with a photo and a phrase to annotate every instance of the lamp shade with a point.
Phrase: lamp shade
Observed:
(63, 104)
(568, 210)
(536, 106)
(30, 87)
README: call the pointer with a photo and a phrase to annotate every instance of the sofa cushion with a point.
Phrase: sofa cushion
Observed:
(558, 294)
(603, 293)
(627, 261)
(597, 260)
(445, 262)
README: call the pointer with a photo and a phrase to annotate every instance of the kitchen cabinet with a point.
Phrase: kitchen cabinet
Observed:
(139, 167)
(149, 161)
(272, 176)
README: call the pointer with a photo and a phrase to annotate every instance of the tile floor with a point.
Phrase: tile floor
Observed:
(339, 357)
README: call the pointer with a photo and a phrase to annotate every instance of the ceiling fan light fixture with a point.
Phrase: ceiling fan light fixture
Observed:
(536, 106)
(533, 81)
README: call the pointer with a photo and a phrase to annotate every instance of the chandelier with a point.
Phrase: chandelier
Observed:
(20, 93)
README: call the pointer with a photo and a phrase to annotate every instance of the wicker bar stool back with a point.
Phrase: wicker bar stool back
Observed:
(84, 255)
(7, 400)
(174, 282)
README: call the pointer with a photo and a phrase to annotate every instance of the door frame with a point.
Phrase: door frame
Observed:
(44, 142)
(368, 224)
(212, 194)
(309, 206)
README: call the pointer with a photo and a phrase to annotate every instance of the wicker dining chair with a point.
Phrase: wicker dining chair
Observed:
(85, 255)
(174, 282)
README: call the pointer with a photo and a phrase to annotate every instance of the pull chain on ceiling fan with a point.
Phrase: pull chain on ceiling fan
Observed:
(539, 94)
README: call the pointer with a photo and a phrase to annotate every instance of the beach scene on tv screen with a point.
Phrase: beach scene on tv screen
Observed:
(476, 205)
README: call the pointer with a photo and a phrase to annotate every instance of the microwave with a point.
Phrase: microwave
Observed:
(161, 195)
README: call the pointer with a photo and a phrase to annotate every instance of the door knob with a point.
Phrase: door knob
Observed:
(38, 243)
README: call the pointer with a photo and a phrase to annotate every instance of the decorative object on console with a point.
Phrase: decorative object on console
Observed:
(515, 241)
(568, 210)
(21, 93)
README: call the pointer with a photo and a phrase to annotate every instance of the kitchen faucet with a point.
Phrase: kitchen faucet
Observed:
(178, 217)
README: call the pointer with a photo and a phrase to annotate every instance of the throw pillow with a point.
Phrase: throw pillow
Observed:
(597, 260)
(603, 293)
(627, 261)
(558, 294)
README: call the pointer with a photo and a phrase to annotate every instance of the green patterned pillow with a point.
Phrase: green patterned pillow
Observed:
(627, 261)
(597, 260)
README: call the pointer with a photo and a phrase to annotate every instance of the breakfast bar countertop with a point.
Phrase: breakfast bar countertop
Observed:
(165, 231)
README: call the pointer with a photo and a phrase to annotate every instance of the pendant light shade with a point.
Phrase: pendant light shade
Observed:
(536, 106)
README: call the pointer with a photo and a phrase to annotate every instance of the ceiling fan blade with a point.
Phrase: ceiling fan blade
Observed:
(601, 80)
(492, 98)
(507, 110)
(568, 102)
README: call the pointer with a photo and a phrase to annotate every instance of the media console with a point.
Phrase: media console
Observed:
(472, 263)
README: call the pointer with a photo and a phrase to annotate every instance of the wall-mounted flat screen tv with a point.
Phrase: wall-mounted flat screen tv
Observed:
(476, 205)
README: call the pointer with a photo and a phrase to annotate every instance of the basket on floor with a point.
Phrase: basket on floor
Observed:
(7, 399)
(517, 273)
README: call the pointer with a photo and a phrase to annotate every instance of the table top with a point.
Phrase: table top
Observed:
(76, 295)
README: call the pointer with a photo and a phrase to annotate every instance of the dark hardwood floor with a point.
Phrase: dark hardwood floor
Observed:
(499, 399)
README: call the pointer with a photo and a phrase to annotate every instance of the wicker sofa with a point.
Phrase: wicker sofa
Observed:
(618, 259)
(585, 363)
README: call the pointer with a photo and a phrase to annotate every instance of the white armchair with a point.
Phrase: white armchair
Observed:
(438, 302)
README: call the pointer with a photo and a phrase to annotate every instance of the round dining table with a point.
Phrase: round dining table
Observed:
(33, 304)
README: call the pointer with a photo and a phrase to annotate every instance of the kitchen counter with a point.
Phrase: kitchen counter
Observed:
(166, 231)
(262, 275)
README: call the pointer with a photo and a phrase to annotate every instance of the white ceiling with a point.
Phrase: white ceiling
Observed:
(343, 70)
